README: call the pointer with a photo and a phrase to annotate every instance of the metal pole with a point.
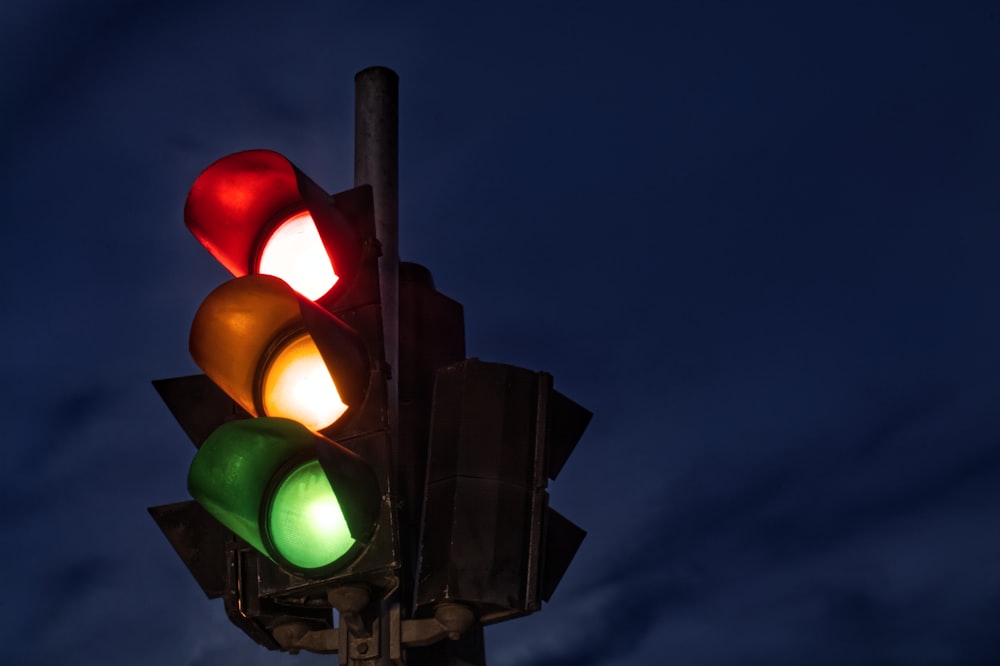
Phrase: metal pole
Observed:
(376, 163)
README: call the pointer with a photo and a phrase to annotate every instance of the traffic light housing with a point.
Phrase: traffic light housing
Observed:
(301, 489)
(293, 471)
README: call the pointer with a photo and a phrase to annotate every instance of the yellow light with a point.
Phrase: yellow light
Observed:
(295, 253)
(298, 386)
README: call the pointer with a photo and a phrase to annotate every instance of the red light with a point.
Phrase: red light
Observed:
(295, 253)
(257, 213)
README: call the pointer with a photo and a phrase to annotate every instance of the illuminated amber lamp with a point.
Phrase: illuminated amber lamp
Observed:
(278, 354)
(256, 212)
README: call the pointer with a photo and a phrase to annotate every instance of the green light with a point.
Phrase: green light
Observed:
(271, 480)
(305, 521)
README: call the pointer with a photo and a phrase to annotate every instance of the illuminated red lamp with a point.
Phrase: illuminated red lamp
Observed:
(278, 354)
(257, 213)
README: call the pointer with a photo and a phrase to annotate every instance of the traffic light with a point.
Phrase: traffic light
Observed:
(304, 497)
(293, 469)
(299, 498)
(256, 212)
(278, 354)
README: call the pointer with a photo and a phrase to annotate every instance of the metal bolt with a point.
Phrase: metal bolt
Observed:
(455, 618)
(348, 598)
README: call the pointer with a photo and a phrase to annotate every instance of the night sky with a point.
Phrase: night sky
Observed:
(758, 240)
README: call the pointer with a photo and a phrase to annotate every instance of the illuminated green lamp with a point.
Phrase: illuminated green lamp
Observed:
(305, 502)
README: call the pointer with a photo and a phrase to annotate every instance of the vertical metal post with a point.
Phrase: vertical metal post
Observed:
(376, 163)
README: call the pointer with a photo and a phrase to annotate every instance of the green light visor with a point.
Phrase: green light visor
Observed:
(262, 479)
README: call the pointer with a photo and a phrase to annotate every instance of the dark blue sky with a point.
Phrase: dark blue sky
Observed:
(758, 240)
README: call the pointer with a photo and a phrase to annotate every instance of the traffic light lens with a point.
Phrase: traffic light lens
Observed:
(297, 385)
(305, 521)
(296, 254)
